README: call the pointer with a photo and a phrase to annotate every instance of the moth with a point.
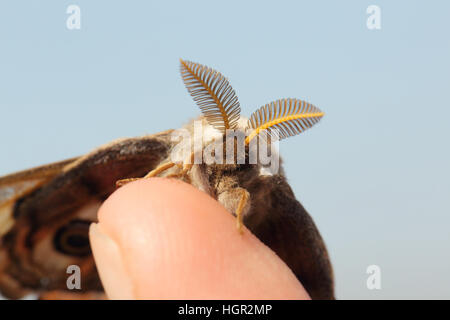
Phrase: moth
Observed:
(45, 212)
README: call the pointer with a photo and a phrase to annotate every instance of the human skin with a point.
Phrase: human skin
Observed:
(164, 239)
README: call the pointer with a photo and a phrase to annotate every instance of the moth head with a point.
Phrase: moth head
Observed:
(220, 106)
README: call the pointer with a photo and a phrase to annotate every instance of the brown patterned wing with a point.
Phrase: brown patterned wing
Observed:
(284, 225)
(17, 185)
(49, 221)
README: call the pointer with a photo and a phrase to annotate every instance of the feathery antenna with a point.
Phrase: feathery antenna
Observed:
(212, 93)
(289, 116)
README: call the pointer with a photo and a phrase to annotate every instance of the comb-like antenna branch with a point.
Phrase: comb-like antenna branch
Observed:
(212, 93)
(289, 116)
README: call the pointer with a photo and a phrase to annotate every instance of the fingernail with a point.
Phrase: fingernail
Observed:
(110, 265)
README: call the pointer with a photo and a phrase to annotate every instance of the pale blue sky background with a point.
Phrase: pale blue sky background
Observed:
(374, 174)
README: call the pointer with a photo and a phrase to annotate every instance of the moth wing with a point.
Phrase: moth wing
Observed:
(33, 257)
(290, 231)
(18, 184)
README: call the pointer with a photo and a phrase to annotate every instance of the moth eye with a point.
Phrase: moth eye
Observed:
(73, 238)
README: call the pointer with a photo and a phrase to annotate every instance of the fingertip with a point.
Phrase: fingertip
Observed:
(176, 242)
(112, 271)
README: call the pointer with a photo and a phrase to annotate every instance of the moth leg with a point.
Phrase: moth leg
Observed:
(185, 169)
(122, 182)
(159, 169)
(179, 165)
(239, 211)
(151, 174)
(182, 174)
(237, 201)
